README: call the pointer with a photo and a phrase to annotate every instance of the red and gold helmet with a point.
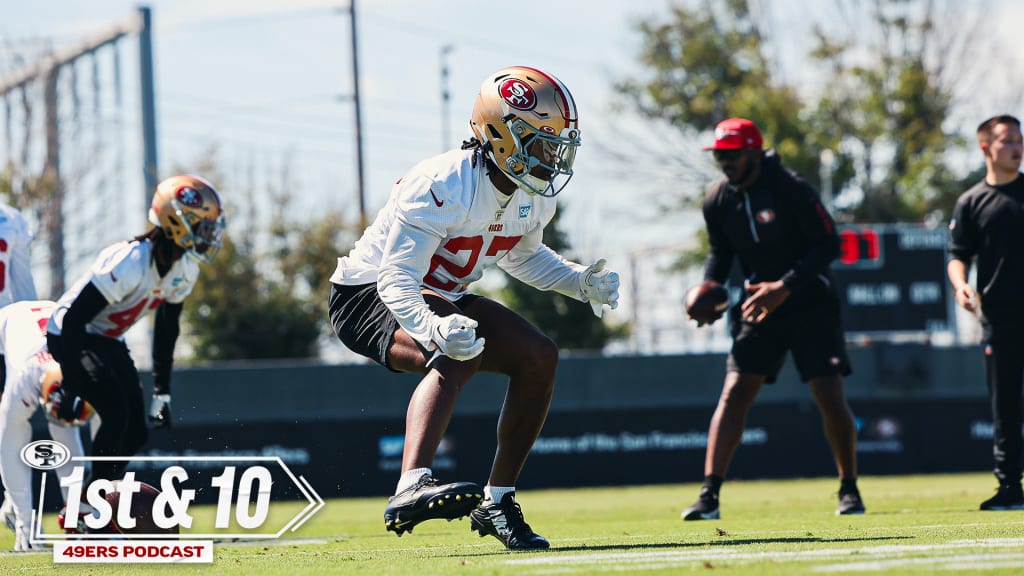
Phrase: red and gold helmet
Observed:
(188, 210)
(526, 119)
(51, 382)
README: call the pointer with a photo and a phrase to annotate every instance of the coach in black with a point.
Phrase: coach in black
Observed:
(773, 220)
(988, 224)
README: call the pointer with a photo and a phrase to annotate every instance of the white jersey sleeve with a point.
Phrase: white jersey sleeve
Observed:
(408, 253)
(119, 270)
(537, 265)
(15, 260)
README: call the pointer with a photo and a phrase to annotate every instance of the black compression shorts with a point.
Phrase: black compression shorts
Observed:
(364, 324)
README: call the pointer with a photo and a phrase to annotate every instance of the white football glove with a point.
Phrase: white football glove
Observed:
(455, 336)
(160, 411)
(600, 286)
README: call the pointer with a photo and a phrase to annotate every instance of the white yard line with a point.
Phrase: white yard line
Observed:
(867, 557)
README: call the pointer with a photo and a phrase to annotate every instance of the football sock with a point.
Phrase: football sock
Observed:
(847, 485)
(713, 482)
(409, 478)
(496, 493)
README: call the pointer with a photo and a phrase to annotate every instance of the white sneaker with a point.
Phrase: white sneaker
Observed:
(7, 514)
(23, 538)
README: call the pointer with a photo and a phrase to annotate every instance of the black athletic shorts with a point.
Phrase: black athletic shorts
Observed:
(811, 330)
(364, 324)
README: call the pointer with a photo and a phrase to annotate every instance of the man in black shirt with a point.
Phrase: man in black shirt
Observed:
(773, 220)
(988, 224)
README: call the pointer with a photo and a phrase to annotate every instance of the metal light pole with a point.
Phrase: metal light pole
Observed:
(445, 98)
(359, 116)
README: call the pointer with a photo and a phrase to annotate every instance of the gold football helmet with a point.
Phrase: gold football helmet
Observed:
(526, 120)
(51, 381)
(188, 210)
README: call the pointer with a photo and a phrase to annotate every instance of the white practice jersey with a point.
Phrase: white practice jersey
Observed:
(125, 273)
(15, 262)
(442, 226)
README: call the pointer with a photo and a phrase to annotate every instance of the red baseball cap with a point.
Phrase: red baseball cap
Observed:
(736, 134)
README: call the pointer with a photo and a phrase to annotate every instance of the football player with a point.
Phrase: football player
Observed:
(15, 263)
(33, 376)
(153, 272)
(401, 296)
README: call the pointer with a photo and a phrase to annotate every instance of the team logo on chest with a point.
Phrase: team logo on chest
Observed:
(765, 216)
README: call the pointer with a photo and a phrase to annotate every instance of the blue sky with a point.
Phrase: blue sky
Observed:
(266, 81)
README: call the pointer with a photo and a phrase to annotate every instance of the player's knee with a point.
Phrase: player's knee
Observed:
(542, 354)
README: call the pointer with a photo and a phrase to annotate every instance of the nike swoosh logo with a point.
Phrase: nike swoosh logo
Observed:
(437, 202)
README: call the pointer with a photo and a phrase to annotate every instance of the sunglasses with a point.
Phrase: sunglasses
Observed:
(726, 155)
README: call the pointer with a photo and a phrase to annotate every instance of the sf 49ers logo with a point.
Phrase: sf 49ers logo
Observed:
(518, 94)
(189, 197)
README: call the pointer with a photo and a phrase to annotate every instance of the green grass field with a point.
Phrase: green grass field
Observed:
(914, 525)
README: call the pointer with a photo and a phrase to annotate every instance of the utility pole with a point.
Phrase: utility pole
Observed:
(359, 116)
(445, 99)
(149, 157)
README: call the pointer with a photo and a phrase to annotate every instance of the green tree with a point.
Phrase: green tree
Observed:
(890, 115)
(882, 122)
(569, 322)
(707, 64)
(236, 312)
(270, 303)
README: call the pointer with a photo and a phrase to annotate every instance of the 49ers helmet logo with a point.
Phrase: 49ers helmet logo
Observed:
(518, 94)
(189, 197)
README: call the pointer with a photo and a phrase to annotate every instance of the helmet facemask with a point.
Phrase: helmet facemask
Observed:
(202, 238)
(542, 162)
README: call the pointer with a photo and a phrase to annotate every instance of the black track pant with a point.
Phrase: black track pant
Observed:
(1004, 374)
(113, 388)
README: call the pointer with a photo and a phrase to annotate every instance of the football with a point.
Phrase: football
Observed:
(142, 510)
(706, 302)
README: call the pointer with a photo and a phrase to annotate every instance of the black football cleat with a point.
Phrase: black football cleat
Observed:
(428, 499)
(504, 520)
(1007, 497)
(850, 503)
(705, 508)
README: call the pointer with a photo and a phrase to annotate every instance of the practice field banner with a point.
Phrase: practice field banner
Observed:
(635, 446)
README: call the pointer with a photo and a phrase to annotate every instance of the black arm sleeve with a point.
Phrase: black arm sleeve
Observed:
(963, 244)
(90, 302)
(819, 229)
(165, 333)
(720, 249)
